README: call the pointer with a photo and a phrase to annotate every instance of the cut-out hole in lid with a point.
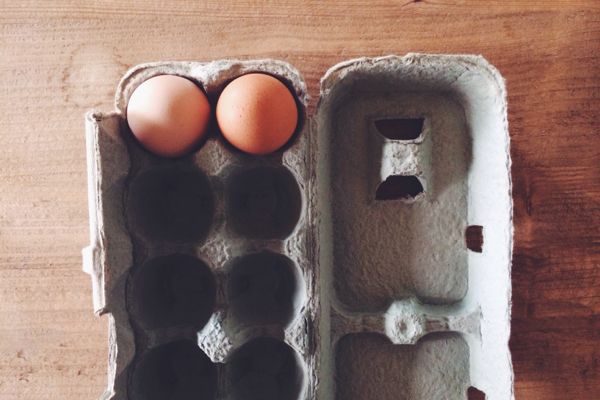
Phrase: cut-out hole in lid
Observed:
(474, 238)
(400, 128)
(475, 394)
(397, 187)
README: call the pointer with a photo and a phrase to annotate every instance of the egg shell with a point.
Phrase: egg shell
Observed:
(168, 115)
(257, 113)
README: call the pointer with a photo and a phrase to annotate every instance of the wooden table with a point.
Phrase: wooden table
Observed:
(60, 58)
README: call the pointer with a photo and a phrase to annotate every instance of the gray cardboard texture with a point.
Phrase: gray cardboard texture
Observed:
(359, 286)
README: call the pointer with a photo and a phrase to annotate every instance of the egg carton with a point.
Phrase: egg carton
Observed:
(351, 264)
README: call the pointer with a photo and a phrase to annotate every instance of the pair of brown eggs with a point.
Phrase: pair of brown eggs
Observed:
(170, 115)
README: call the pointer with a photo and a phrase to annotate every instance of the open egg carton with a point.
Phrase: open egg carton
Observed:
(350, 264)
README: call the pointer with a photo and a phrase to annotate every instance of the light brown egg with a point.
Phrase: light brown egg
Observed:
(168, 115)
(257, 113)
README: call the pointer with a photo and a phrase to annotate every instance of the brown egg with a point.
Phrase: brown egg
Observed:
(257, 113)
(168, 115)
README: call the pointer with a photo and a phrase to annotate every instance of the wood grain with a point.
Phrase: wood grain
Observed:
(59, 58)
